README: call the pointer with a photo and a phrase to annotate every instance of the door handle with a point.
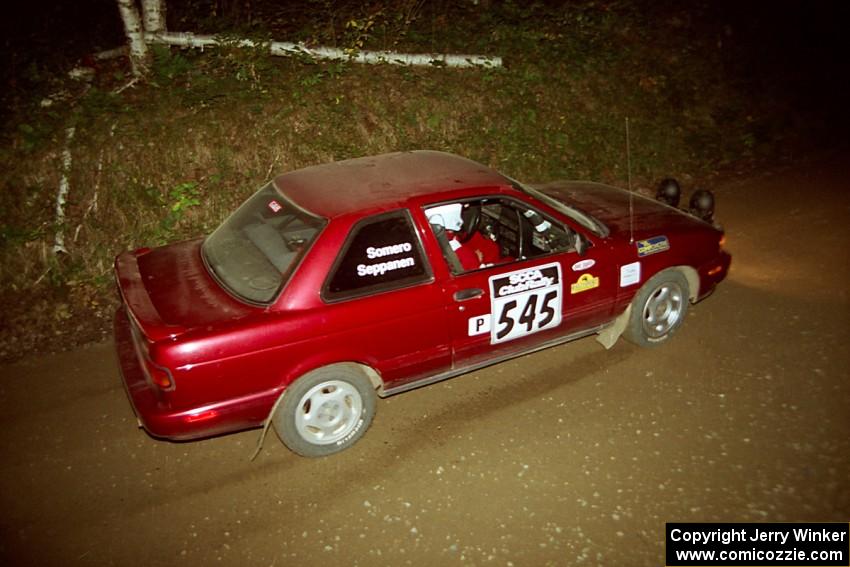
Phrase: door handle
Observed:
(470, 293)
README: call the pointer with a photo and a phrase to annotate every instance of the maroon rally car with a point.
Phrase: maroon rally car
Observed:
(340, 282)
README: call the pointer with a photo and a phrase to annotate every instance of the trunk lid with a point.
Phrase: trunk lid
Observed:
(168, 290)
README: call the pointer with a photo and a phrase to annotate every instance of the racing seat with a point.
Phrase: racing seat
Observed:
(470, 214)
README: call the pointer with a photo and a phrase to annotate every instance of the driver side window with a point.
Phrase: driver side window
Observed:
(479, 233)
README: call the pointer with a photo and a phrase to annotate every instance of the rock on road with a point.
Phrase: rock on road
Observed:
(574, 455)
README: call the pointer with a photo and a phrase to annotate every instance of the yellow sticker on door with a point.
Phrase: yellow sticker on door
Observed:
(584, 283)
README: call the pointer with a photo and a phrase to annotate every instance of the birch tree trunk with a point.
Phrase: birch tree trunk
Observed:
(284, 48)
(135, 36)
(62, 196)
(153, 13)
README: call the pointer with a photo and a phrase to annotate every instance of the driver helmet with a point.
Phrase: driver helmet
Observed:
(448, 216)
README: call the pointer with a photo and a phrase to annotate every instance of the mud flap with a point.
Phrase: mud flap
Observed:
(266, 426)
(609, 335)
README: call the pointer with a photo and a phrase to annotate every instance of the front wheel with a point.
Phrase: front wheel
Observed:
(325, 411)
(658, 309)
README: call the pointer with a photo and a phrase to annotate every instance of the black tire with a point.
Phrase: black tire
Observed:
(325, 411)
(658, 309)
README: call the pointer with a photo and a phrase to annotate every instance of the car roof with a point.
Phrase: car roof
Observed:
(382, 182)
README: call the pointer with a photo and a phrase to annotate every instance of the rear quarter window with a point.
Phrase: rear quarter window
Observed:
(381, 253)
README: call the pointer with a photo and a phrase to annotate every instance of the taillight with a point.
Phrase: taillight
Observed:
(722, 241)
(159, 375)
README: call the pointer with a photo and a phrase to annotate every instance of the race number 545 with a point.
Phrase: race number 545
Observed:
(525, 302)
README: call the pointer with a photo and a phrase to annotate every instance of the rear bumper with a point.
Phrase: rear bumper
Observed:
(160, 419)
(139, 390)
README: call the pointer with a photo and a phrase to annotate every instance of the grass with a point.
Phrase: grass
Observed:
(171, 157)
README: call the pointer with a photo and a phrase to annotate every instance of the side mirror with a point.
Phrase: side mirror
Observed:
(580, 243)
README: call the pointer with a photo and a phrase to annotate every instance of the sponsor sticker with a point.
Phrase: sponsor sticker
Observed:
(275, 206)
(652, 245)
(629, 274)
(584, 283)
(583, 265)
(525, 302)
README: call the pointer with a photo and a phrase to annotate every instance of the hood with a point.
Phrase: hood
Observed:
(169, 291)
(610, 205)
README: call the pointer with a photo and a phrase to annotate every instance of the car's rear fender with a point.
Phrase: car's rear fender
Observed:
(321, 358)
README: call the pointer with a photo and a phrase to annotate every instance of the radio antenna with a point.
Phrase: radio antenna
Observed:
(629, 177)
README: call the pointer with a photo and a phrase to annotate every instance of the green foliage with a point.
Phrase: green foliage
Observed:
(178, 202)
(29, 136)
(183, 197)
(96, 104)
(169, 65)
(358, 32)
(11, 235)
(249, 62)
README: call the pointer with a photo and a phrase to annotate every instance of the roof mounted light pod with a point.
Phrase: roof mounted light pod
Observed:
(702, 205)
(669, 192)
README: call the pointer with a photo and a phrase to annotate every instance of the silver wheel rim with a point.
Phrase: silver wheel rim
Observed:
(328, 412)
(663, 310)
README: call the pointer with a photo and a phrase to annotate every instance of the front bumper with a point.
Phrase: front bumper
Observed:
(712, 273)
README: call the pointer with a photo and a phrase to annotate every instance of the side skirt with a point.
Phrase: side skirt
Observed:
(384, 393)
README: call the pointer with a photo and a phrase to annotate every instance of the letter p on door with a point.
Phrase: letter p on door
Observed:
(479, 325)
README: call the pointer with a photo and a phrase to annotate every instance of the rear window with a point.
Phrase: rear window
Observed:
(254, 251)
(380, 254)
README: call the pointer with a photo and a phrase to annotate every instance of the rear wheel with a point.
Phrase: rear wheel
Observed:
(658, 309)
(325, 411)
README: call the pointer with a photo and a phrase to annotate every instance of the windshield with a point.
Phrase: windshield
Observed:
(254, 251)
(582, 218)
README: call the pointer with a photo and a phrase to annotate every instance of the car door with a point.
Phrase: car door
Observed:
(539, 291)
(382, 305)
